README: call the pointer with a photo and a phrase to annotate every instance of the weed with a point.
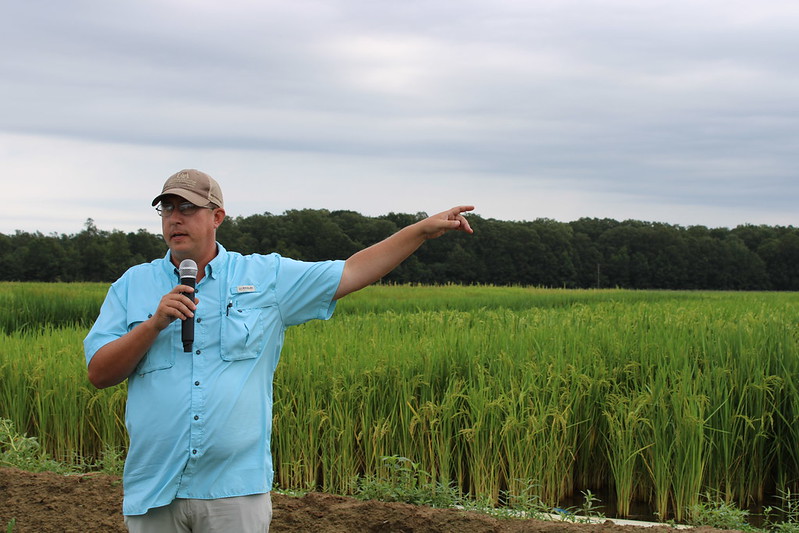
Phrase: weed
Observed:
(587, 512)
(788, 511)
(406, 482)
(24, 452)
(718, 514)
(527, 500)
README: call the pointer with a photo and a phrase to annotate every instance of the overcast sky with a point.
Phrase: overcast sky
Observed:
(676, 111)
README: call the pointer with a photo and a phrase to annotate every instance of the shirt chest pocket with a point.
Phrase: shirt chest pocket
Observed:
(162, 353)
(246, 325)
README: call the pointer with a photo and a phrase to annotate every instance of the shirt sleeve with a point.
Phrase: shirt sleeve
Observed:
(305, 290)
(110, 325)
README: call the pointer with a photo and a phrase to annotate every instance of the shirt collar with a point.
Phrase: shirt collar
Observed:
(217, 265)
(213, 269)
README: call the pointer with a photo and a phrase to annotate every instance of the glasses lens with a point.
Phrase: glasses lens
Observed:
(187, 208)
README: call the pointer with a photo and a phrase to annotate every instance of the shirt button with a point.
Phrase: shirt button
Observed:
(199, 320)
(194, 452)
(196, 417)
(196, 383)
(198, 352)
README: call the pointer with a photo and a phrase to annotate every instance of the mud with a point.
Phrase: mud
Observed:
(45, 502)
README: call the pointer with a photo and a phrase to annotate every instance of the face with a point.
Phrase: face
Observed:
(191, 236)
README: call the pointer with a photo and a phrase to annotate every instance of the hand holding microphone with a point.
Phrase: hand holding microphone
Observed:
(188, 277)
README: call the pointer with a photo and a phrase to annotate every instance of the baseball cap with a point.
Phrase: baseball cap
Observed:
(197, 187)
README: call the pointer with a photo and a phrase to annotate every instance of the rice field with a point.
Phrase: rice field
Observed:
(659, 397)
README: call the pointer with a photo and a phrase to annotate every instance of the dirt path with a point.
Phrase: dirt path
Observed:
(48, 502)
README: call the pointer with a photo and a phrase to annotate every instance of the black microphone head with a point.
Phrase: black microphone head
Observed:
(188, 269)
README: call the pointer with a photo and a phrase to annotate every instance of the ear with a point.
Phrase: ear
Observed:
(219, 216)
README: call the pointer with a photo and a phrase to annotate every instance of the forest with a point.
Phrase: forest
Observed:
(585, 253)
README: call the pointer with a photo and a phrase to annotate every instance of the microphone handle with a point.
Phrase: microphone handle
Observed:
(187, 327)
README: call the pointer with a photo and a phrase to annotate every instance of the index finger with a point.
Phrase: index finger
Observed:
(180, 289)
(456, 213)
(461, 209)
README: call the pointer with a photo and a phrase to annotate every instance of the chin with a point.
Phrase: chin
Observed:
(180, 250)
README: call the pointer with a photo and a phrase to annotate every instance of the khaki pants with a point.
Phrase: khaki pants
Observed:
(245, 514)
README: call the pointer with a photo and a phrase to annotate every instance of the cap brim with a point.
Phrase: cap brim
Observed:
(192, 197)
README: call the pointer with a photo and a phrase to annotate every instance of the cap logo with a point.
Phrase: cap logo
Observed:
(184, 178)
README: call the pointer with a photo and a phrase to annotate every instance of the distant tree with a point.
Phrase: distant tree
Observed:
(240, 234)
(781, 257)
(316, 237)
(145, 246)
(363, 231)
(587, 262)
(588, 252)
(556, 262)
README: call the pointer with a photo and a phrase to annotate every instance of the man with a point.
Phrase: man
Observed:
(200, 423)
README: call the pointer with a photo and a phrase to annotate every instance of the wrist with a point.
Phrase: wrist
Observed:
(154, 325)
(418, 231)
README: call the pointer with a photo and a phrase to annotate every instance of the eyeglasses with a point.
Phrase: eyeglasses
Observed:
(186, 209)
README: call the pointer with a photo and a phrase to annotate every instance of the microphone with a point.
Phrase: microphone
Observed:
(188, 276)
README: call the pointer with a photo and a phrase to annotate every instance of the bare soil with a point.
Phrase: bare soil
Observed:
(45, 502)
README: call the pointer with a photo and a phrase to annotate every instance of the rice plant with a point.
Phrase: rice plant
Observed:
(658, 396)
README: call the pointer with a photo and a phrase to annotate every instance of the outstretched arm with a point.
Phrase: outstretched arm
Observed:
(370, 264)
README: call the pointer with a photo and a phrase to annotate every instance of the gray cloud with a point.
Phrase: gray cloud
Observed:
(682, 104)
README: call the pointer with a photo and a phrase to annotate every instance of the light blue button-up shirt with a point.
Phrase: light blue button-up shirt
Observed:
(200, 423)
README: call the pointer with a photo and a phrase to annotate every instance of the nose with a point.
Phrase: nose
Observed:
(175, 216)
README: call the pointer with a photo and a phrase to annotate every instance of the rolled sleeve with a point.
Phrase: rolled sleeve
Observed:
(305, 291)
(110, 325)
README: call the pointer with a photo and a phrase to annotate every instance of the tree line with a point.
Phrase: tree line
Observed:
(585, 253)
